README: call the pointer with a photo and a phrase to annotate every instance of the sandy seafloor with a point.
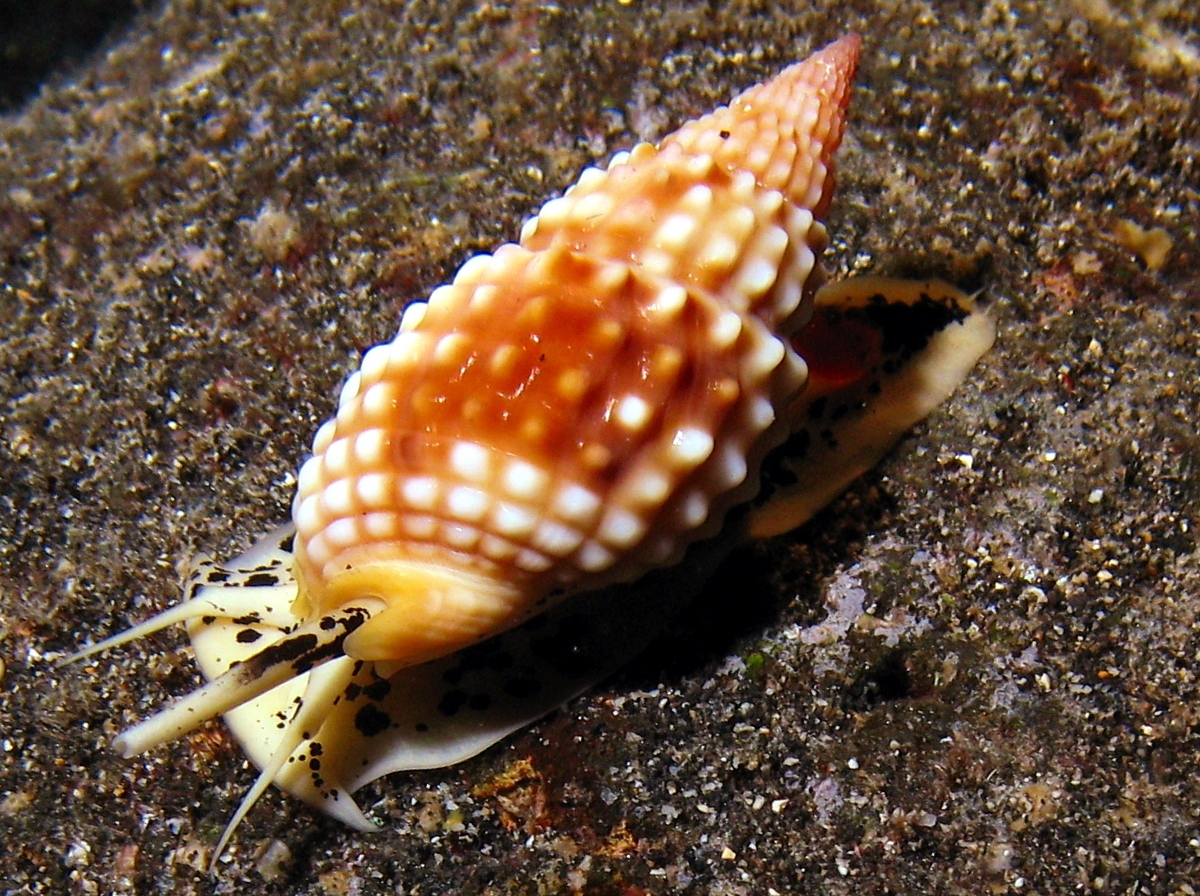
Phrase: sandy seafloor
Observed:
(975, 673)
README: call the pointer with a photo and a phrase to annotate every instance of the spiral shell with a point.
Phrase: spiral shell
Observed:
(580, 407)
(576, 428)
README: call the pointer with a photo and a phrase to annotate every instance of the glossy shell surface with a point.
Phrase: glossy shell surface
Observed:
(580, 407)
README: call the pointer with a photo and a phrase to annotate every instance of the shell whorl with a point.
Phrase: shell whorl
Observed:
(581, 406)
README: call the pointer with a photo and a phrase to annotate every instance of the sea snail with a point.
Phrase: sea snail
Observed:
(557, 447)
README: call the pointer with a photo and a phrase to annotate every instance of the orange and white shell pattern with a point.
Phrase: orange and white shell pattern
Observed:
(581, 406)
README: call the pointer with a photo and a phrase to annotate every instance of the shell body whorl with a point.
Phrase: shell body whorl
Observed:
(580, 407)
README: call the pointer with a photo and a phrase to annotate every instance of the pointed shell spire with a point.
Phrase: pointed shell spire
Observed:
(581, 406)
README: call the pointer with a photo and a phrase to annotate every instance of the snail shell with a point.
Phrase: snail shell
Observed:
(580, 407)
(572, 432)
